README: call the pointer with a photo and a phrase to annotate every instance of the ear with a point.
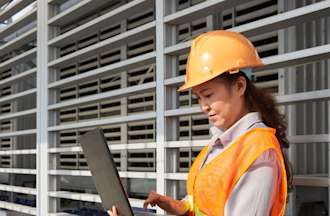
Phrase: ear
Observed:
(241, 85)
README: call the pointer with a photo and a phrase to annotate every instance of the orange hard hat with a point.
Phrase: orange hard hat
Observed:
(216, 52)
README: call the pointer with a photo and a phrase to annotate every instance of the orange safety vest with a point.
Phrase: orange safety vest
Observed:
(210, 187)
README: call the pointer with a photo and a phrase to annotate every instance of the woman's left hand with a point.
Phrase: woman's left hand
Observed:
(113, 212)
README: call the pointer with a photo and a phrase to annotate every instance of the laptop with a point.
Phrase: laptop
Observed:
(105, 174)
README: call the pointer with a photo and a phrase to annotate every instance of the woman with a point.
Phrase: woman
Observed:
(242, 171)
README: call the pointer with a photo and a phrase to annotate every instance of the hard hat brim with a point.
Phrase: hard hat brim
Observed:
(191, 84)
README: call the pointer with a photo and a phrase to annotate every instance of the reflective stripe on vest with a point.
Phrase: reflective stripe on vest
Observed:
(210, 187)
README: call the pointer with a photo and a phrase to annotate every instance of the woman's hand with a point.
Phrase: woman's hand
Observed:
(153, 199)
(166, 203)
(113, 212)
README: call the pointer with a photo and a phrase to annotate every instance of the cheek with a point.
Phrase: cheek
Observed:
(221, 107)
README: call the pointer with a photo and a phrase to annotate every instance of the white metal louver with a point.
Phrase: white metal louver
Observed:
(117, 65)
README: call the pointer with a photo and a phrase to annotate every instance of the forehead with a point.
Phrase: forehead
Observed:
(209, 85)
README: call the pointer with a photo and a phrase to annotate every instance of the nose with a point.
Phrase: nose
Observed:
(204, 107)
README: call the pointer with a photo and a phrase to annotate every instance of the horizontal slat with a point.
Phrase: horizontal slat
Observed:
(102, 96)
(18, 208)
(143, 175)
(182, 111)
(310, 138)
(296, 58)
(75, 196)
(18, 171)
(19, 23)
(311, 181)
(303, 97)
(200, 10)
(285, 19)
(56, 1)
(13, 9)
(23, 75)
(103, 21)
(114, 120)
(188, 143)
(16, 96)
(138, 61)
(110, 43)
(268, 24)
(141, 104)
(70, 172)
(265, 73)
(247, 5)
(177, 49)
(282, 100)
(139, 160)
(19, 41)
(18, 133)
(174, 80)
(90, 197)
(61, 214)
(75, 12)
(28, 55)
(18, 152)
(17, 189)
(17, 114)
(65, 149)
(176, 176)
(261, 12)
(131, 146)
(3, 2)
(267, 84)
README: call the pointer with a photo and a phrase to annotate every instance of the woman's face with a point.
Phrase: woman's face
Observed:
(224, 105)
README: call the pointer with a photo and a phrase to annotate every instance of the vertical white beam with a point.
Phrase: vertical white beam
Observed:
(327, 22)
(124, 107)
(287, 85)
(53, 116)
(160, 97)
(171, 102)
(42, 114)
(323, 105)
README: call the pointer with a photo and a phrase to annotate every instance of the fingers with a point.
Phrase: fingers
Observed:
(153, 199)
(145, 204)
(113, 212)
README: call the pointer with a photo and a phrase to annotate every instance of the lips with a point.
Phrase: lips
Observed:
(212, 116)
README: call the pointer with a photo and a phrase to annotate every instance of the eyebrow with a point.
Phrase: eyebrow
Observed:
(203, 90)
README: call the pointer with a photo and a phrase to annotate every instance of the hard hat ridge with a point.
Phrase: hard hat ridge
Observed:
(216, 52)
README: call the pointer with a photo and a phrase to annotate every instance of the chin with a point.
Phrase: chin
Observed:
(219, 125)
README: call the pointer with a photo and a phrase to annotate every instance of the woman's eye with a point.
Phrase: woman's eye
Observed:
(208, 95)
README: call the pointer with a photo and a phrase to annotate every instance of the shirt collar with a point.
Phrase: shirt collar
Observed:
(236, 130)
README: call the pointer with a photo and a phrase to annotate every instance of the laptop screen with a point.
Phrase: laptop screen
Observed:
(104, 172)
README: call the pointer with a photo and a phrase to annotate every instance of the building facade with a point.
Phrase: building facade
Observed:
(67, 66)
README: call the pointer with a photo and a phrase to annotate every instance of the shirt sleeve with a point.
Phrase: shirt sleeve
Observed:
(254, 193)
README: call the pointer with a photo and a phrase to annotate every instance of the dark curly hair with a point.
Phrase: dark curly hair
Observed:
(261, 101)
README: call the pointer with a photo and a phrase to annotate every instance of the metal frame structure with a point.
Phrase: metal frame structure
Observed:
(67, 66)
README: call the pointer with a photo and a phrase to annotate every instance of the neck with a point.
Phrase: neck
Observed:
(240, 115)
